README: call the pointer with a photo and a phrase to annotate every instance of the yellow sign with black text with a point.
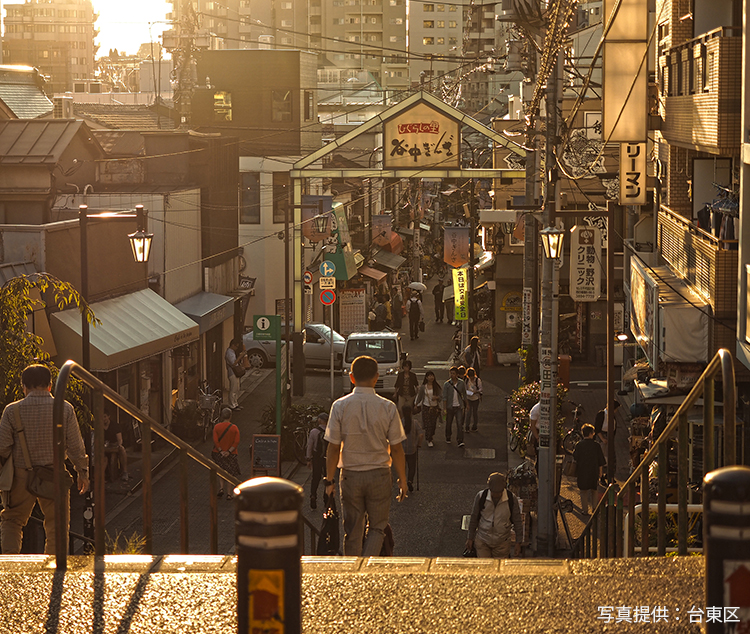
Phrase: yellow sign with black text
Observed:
(461, 293)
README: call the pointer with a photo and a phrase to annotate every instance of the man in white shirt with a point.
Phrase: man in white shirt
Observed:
(364, 437)
(495, 511)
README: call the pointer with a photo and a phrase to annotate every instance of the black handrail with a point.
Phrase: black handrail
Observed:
(608, 513)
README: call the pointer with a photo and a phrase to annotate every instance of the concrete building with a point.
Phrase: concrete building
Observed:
(56, 36)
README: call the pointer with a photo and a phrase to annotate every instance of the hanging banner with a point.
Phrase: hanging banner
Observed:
(381, 229)
(585, 264)
(633, 174)
(421, 137)
(456, 246)
(311, 208)
(461, 294)
(352, 311)
(526, 312)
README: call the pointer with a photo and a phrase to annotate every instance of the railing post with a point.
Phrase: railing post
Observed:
(595, 537)
(644, 512)
(148, 534)
(618, 527)
(682, 484)
(184, 514)
(99, 469)
(632, 493)
(58, 464)
(730, 405)
(709, 446)
(213, 537)
(661, 518)
(611, 520)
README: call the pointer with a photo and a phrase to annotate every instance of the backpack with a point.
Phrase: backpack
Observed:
(483, 500)
(414, 311)
(321, 446)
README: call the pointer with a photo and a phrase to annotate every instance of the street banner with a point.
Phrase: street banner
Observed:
(456, 246)
(381, 229)
(633, 174)
(585, 264)
(461, 294)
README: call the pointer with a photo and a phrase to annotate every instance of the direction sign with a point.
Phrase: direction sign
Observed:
(327, 283)
(327, 297)
(327, 269)
(307, 278)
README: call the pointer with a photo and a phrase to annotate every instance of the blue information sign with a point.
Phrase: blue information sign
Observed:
(327, 268)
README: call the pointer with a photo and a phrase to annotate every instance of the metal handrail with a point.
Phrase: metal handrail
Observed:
(148, 424)
(602, 535)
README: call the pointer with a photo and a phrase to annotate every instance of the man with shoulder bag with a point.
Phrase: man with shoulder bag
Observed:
(26, 437)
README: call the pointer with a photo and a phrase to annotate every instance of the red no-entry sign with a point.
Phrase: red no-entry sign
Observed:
(327, 297)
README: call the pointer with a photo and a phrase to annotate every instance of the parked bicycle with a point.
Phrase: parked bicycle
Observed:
(575, 435)
(210, 406)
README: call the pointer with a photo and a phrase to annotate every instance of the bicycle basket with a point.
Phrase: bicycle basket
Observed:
(206, 401)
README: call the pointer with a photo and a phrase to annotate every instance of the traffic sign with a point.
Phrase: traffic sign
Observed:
(266, 327)
(308, 289)
(327, 283)
(307, 278)
(327, 297)
(327, 268)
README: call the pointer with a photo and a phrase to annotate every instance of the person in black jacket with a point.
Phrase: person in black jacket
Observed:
(589, 463)
(439, 306)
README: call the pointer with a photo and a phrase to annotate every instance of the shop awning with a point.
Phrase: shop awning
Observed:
(373, 273)
(207, 309)
(133, 327)
(388, 259)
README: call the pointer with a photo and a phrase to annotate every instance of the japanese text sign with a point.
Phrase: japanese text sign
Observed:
(456, 245)
(461, 293)
(585, 264)
(633, 174)
(421, 137)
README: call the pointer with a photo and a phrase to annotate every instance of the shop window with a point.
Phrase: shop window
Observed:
(282, 105)
(250, 198)
(280, 196)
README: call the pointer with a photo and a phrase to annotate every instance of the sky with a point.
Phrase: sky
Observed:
(124, 24)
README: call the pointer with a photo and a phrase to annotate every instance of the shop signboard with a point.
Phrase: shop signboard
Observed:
(585, 264)
(461, 294)
(421, 137)
(644, 298)
(381, 229)
(456, 245)
(633, 174)
(526, 311)
(352, 310)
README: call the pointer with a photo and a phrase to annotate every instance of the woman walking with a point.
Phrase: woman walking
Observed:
(474, 397)
(413, 442)
(429, 399)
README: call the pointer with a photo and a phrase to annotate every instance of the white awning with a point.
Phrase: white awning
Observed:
(207, 309)
(134, 327)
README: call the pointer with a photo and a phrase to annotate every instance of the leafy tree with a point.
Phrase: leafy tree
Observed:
(20, 297)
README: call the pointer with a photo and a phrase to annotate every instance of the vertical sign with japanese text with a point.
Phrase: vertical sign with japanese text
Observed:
(526, 325)
(585, 264)
(352, 310)
(545, 395)
(633, 174)
(461, 294)
(456, 245)
(421, 137)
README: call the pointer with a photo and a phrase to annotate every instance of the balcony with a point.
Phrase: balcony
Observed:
(700, 91)
(707, 263)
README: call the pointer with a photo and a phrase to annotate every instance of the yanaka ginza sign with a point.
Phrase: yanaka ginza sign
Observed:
(421, 137)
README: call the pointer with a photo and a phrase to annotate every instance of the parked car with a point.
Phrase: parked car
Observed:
(316, 343)
(385, 347)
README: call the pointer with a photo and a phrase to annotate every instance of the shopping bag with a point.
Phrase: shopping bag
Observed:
(329, 538)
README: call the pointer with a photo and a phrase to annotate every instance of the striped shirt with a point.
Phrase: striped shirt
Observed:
(36, 417)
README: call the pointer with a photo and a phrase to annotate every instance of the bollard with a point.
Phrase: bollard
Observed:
(726, 545)
(268, 529)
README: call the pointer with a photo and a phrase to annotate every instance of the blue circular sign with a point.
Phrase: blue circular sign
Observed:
(327, 297)
(327, 268)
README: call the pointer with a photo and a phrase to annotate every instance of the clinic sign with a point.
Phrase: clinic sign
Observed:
(585, 264)
(421, 137)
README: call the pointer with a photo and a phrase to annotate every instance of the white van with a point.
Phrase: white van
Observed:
(385, 347)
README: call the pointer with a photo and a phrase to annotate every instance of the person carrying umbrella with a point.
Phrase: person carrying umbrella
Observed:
(415, 311)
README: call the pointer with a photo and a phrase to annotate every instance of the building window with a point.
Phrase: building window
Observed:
(397, 20)
(309, 105)
(428, 41)
(452, 24)
(393, 38)
(250, 198)
(441, 41)
(439, 7)
(280, 195)
(287, 23)
(286, 5)
(222, 106)
(441, 24)
(286, 40)
(428, 24)
(281, 105)
(452, 8)
(452, 41)
(428, 8)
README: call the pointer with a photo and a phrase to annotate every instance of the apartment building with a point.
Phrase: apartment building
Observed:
(55, 36)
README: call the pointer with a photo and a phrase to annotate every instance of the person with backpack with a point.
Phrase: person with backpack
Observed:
(416, 315)
(414, 438)
(495, 511)
(316, 456)
(226, 440)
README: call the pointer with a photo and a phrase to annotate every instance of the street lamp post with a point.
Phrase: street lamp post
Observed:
(321, 226)
(552, 241)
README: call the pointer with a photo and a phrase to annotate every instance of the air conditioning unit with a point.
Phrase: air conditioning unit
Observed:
(63, 108)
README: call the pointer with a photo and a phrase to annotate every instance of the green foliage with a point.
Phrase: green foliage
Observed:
(295, 416)
(122, 544)
(523, 399)
(20, 297)
(670, 528)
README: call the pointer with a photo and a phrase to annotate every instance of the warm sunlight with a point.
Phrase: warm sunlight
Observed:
(125, 25)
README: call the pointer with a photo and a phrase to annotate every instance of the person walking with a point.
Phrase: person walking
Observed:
(226, 440)
(495, 511)
(397, 309)
(437, 293)
(454, 404)
(414, 438)
(601, 428)
(113, 445)
(429, 399)
(316, 456)
(26, 428)
(473, 398)
(407, 385)
(365, 438)
(472, 355)
(416, 314)
(590, 462)
(381, 314)
(233, 359)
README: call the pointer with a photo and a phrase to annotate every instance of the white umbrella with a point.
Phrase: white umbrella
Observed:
(418, 286)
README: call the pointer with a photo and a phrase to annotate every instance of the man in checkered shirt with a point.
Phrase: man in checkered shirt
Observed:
(36, 416)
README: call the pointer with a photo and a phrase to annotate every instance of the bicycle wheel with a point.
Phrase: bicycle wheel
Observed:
(512, 439)
(300, 445)
(207, 431)
(572, 438)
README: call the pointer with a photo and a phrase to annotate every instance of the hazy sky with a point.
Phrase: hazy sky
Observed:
(124, 24)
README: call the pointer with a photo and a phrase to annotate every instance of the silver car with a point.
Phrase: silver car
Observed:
(316, 344)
